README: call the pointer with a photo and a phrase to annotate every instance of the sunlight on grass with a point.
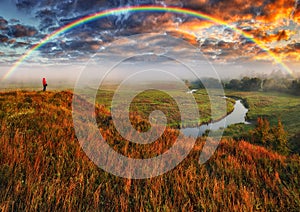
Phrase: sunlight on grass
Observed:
(42, 167)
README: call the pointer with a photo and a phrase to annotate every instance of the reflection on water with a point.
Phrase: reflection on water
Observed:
(237, 116)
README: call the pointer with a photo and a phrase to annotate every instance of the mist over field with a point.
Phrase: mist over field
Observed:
(115, 71)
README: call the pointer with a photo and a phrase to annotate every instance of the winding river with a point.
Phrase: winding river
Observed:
(238, 115)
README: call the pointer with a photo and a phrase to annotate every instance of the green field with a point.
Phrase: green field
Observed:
(273, 106)
(150, 100)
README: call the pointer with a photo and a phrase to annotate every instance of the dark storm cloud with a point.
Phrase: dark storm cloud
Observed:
(20, 45)
(294, 46)
(70, 49)
(47, 18)
(50, 12)
(26, 4)
(3, 39)
(3, 23)
(106, 23)
(62, 8)
(258, 17)
(12, 34)
(83, 46)
(19, 30)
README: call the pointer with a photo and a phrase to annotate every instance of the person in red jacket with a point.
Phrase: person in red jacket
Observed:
(44, 84)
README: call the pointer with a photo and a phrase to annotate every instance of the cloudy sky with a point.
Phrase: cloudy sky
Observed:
(274, 23)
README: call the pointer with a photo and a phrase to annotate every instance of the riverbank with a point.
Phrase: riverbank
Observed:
(237, 116)
(273, 106)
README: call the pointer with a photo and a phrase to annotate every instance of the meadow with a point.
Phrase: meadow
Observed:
(42, 167)
(150, 100)
(272, 106)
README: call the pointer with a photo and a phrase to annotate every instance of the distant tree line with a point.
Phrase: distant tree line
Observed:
(205, 83)
(270, 84)
(279, 84)
(245, 84)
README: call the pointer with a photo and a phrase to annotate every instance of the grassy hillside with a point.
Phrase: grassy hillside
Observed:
(42, 167)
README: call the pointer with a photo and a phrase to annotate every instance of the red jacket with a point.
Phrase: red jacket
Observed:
(44, 81)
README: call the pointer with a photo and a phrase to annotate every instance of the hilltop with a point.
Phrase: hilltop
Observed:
(42, 167)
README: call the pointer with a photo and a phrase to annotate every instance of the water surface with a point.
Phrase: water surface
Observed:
(238, 115)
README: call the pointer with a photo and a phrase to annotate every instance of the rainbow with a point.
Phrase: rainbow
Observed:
(136, 9)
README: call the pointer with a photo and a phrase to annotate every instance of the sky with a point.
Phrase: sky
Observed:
(275, 24)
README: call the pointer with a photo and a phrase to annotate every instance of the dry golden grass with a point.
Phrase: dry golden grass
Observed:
(42, 167)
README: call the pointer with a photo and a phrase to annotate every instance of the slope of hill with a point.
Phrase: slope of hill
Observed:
(42, 167)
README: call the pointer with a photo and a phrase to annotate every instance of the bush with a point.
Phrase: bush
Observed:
(274, 138)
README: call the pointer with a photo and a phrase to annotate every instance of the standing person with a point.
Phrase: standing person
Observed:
(44, 84)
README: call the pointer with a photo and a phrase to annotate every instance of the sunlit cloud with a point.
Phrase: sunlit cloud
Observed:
(275, 24)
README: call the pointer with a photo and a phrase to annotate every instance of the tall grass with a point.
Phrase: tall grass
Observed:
(42, 167)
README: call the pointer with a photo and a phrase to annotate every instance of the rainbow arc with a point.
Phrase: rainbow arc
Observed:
(139, 9)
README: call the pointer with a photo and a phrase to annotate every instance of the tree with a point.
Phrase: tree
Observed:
(234, 84)
(269, 84)
(251, 84)
(261, 134)
(255, 84)
(295, 87)
(245, 83)
(275, 138)
(280, 139)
